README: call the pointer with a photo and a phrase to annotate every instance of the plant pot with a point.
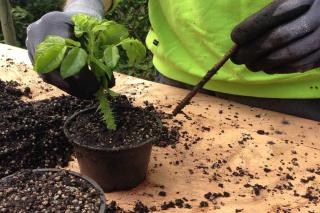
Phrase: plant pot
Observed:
(52, 190)
(121, 168)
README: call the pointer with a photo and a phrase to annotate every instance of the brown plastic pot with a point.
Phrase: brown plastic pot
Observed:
(114, 169)
(89, 180)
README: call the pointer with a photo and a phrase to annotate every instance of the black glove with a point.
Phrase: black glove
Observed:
(284, 37)
(83, 85)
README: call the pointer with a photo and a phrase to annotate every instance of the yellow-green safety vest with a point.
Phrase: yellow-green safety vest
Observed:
(189, 36)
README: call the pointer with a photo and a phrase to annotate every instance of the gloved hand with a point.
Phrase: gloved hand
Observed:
(283, 37)
(83, 85)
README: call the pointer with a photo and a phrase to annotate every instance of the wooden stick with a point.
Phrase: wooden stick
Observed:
(8, 30)
(205, 79)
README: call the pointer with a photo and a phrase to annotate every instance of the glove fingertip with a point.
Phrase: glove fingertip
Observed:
(238, 58)
(236, 36)
(234, 59)
(253, 67)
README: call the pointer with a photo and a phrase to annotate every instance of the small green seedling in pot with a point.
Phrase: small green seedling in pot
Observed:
(97, 46)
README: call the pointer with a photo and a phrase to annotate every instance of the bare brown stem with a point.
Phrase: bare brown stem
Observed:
(204, 80)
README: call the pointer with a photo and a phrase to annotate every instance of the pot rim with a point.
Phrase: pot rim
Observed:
(105, 149)
(88, 179)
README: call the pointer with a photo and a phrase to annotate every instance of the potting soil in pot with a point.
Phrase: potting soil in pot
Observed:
(135, 125)
(61, 191)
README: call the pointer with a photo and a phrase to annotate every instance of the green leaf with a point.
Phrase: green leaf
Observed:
(72, 64)
(111, 56)
(84, 24)
(49, 42)
(106, 111)
(110, 33)
(49, 54)
(135, 50)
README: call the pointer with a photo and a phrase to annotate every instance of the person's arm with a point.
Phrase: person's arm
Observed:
(89, 7)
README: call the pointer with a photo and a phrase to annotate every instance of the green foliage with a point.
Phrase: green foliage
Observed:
(50, 54)
(25, 12)
(74, 61)
(134, 15)
(115, 3)
(84, 24)
(99, 50)
(111, 56)
(21, 18)
(134, 50)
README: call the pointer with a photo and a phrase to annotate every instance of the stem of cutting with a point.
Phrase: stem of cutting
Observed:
(204, 80)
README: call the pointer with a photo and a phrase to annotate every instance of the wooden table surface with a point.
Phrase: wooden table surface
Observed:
(254, 146)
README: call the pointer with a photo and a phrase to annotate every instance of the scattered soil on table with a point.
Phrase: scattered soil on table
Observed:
(213, 195)
(256, 189)
(178, 203)
(204, 204)
(28, 191)
(113, 207)
(139, 207)
(162, 193)
(135, 125)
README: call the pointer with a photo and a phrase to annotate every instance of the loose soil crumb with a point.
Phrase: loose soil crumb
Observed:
(141, 208)
(113, 207)
(213, 195)
(256, 189)
(204, 204)
(55, 192)
(178, 203)
(162, 193)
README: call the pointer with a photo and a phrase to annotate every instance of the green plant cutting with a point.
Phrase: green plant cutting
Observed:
(97, 46)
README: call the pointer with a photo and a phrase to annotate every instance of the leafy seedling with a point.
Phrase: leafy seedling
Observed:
(96, 46)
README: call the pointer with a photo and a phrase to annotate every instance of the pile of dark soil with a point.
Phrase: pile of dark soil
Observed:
(28, 191)
(31, 133)
(9, 95)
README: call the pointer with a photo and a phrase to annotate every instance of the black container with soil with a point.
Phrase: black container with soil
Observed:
(50, 190)
(117, 160)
